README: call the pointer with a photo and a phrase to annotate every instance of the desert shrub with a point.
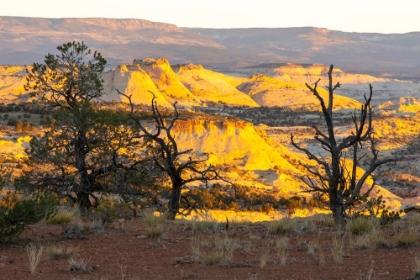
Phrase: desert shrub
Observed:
(12, 122)
(318, 201)
(293, 203)
(45, 120)
(377, 207)
(16, 213)
(267, 208)
(107, 211)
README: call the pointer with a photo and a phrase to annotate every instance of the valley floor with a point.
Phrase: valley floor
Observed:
(308, 248)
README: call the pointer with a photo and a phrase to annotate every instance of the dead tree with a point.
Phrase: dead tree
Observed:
(336, 175)
(167, 157)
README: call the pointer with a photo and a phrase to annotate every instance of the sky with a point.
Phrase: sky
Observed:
(378, 16)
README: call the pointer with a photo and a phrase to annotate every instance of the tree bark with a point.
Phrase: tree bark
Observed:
(174, 202)
(83, 200)
(337, 209)
(83, 188)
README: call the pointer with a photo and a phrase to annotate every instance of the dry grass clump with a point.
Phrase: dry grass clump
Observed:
(337, 249)
(380, 239)
(361, 225)
(57, 252)
(226, 244)
(265, 257)
(69, 219)
(321, 258)
(307, 225)
(212, 258)
(222, 248)
(313, 245)
(97, 226)
(153, 219)
(374, 239)
(79, 266)
(154, 231)
(412, 218)
(64, 216)
(200, 224)
(285, 226)
(34, 254)
(416, 267)
(327, 221)
(154, 223)
(406, 238)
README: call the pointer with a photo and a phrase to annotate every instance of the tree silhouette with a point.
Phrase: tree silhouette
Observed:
(336, 176)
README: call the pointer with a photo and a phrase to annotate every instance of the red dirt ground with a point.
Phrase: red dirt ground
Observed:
(123, 252)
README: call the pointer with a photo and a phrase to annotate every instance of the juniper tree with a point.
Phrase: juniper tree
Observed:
(79, 149)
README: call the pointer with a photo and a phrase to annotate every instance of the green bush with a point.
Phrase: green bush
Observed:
(106, 211)
(12, 122)
(16, 213)
(293, 203)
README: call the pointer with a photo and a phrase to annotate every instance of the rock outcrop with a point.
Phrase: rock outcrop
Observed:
(134, 81)
(12, 81)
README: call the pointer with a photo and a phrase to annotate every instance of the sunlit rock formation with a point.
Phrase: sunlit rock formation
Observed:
(271, 92)
(214, 87)
(12, 80)
(167, 82)
(134, 81)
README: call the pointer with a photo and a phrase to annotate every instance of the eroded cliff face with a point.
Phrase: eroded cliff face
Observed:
(409, 104)
(12, 81)
(239, 147)
(134, 81)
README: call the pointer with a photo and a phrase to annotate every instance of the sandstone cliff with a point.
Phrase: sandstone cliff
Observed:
(132, 80)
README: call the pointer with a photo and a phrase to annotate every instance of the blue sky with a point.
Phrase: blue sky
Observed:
(381, 16)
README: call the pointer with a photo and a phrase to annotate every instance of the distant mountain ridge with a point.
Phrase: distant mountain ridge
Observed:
(25, 40)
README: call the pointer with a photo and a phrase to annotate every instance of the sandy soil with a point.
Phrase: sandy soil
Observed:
(123, 251)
